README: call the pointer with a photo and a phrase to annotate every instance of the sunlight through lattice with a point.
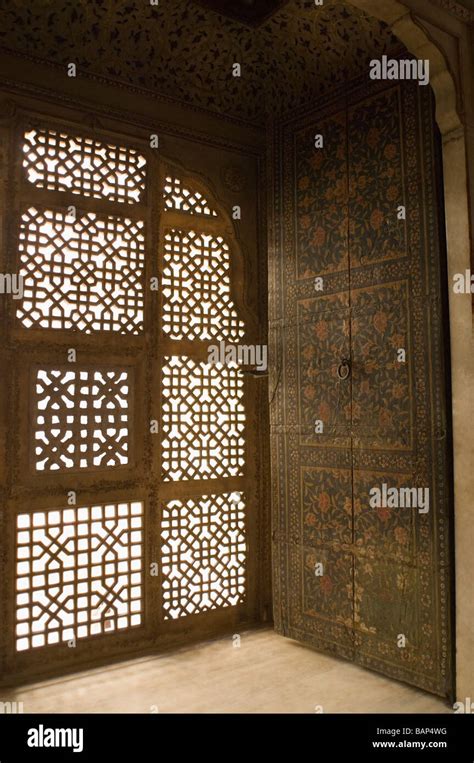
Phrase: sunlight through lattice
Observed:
(79, 573)
(60, 162)
(203, 420)
(203, 554)
(182, 199)
(83, 274)
(196, 287)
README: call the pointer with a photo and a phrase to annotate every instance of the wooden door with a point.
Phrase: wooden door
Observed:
(359, 336)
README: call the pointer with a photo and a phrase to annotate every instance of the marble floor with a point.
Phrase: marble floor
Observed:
(266, 674)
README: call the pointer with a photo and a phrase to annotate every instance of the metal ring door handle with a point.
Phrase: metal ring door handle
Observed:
(344, 369)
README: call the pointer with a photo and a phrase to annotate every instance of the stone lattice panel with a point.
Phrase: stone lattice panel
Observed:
(79, 573)
(203, 554)
(182, 199)
(60, 162)
(81, 418)
(84, 274)
(203, 420)
(196, 288)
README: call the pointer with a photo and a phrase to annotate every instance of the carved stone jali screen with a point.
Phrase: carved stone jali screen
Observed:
(131, 507)
(359, 335)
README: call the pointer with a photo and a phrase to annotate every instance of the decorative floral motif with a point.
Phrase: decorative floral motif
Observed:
(327, 506)
(323, 339)
(328, 594)
(375, 180)
(233, 178)
(321, 205)
(384, 532)
(354, 215)
(385, 601)
(193, 49)
(381, 408)
(387, 579)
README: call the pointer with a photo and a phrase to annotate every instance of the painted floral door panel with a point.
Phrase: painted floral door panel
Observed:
(322, 333)
(358, 268)
(381, 383)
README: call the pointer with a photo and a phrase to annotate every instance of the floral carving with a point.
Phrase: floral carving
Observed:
(192, 49)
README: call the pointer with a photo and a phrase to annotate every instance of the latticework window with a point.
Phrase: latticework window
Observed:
(81, 418)
(196, 288)
(203, 553)
(177, 196)
(86, 274)
(203, 414)
(79, 573)
(84, 166)
(203, 420)
(92, 336)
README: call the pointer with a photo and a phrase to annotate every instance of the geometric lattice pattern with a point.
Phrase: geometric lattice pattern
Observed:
(182, 199)
(79, 573)
(203, 420)
(60, 162)
(203, 554)
(83, 274)
(81, 418)
(197, 300)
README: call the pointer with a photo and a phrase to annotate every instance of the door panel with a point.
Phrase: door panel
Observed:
(381, 395)
(323, 340)
(364, 581)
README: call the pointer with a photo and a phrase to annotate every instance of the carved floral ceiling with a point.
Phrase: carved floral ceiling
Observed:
(249, 11)
(185, 51)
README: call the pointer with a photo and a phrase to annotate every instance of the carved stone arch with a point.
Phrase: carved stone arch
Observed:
(410, 32)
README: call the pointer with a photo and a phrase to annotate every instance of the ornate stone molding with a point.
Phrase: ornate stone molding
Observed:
(458, 10)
